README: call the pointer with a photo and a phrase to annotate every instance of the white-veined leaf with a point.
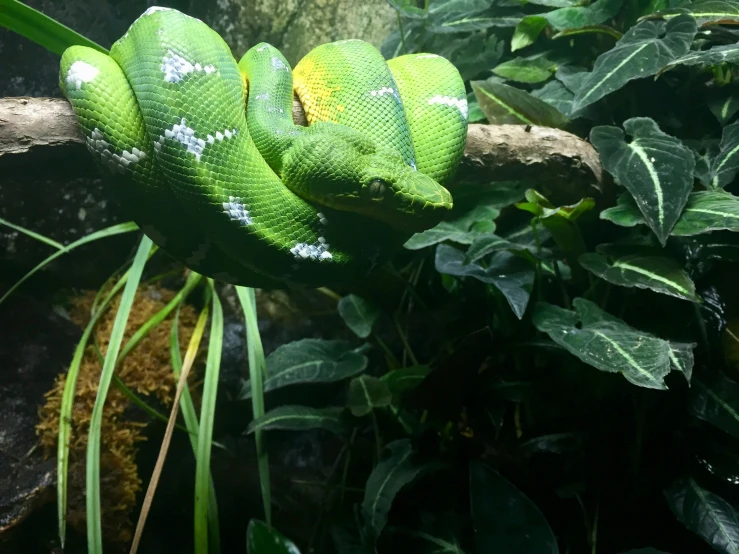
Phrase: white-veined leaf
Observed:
(726, 164)
(301, 418)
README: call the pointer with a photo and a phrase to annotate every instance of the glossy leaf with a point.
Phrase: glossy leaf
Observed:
(715, 399)
(367, 393)
(511, 275)
(682, 359)
(487, 244)
(527, 31)
(405, 378)
(465, 23)
(642, 270)
(589, 30)
(463, 227)
(310, 361)
(606, 342)
(505, 519)
(705, 514)
(727, 53)
(596, 13)
(724, 103)
(726, 164)
(300, 418)
(656, 168)
(503, 104)
(263, 539)
(713, 11)
(385, 482)
(523, 70)
(643, 51)
(358, 314)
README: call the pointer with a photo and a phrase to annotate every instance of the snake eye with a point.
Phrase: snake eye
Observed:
(377, 188)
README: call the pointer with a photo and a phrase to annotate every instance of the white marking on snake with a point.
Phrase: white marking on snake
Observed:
(382, 91)
(175, 67)
(303, 251)
(459, 103)
(81, 72)
(155, 9)
(116, 162)
(262, 47)
(262, 96)
(424, 56)
(278, 64)
(237, 211)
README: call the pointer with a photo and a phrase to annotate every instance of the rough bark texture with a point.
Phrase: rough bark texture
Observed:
(37, 130)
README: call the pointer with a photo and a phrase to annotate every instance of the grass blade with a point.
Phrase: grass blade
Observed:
(103, 233)
(257, 371)
(92, 491)
(40, 28)
(207, 418)
(32, 234)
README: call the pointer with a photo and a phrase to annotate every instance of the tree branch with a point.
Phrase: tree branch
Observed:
(41, 135)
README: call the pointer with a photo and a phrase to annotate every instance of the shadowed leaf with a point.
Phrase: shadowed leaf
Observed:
(503, 104)
(300, 418)
(358, 314)
(263, 539)
(367, 393)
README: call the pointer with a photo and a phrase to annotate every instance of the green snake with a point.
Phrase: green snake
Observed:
(206, 159)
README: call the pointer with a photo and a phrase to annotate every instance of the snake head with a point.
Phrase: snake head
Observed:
(345, 171)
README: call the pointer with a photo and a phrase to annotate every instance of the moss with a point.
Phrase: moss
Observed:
(148, 372)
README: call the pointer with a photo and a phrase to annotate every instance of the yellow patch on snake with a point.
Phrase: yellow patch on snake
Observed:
(317, 106)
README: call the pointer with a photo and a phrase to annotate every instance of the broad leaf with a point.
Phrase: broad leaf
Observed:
(726, 164)
(656, 168)
(503, 104)
(405, 378)
(487, 244)
(263, 539)
(462, 227)
(367, 393)
(590, 29)
(643, 51)
(527, 31)
(465, 22)
(724, 103)
(556, 95)
(358, 314)
(715, 399)
(605, 342)
(642, 270)
(713, 11)
(511, 275)
(555, 3)
(310, 361)
(705, 514)
(524, 70)
(596, 13)
(505, 519)
(681, 358)
(409, 9)
(728, 53)
(384, 483)
(300, 418)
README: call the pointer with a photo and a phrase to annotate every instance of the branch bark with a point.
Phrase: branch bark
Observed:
(41, 134)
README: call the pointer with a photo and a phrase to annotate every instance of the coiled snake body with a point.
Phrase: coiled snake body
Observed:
(247, 196)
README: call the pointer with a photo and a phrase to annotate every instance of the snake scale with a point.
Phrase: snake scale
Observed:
(206, 159)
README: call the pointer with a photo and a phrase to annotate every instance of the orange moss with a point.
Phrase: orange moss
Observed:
(148, 372)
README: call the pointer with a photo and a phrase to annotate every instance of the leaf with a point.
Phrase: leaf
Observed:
(656, 168)
(714, 11)
(715, 400)
(527, 31)
(556, 95)
(642, 52)
(504, 519)
(726, 164)
(433, 544)
(408, 8)
(724, 103)
(727, 53)
(487, 244)
(645, 271)
(358, 314)
(681, 358)
(367, 393)
(472, 55)
(310, 361)
(466, 23)
(588, 30)
(503, 104)
(649, 550)
(705, 514)
(606, 342)
(263, 539)
(385, 482)
(525, 70)
(300, 418)
(511, 275)
(581, 16)
(405, 378)
(462, 227)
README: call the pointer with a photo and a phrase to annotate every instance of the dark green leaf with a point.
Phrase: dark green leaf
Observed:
(557, 95)
(645, 551)
(408, 8)
(715, 399)
(705, 514)
(524, 70)
(504, 104)
(487, 244)
(472, 55)
(310, 361)
(262, 539)
(511, 275)
(727, 53)
(527, 31)
(726, 164)
(359, 314)
(724, 103)
(656, 168)
(463, 227)
(606, 342)
(681, 358)
(588, 30)
(432, 544)
(504, 519)
(625, 213)
(474, 113)
(643, 51)
(301, 418)
(555, 3)
(367, 393)
(708, 211)
(465, 23)
(405, 378)
(385, 481)
(714, 11)
(596, 13)
(645, 271)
